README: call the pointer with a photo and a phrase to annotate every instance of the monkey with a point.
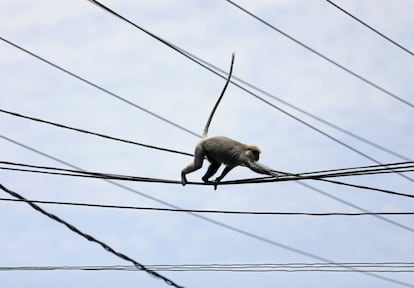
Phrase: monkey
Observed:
(223, 150)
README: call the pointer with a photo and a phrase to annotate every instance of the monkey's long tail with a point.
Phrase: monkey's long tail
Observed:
(205, 132)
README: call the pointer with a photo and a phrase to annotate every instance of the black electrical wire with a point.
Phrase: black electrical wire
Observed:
(204, 211)
(347, 203)
(372, 84)
(233, 228)
(376, 167)
(392, 267)
(370, 27)
(101, 176)
(92, 133)
(100, 88)
(353, 171)
(90, 238)
(287, 177)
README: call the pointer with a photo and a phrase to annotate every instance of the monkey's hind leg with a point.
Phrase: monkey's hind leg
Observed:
(212, 169)
(197, 164)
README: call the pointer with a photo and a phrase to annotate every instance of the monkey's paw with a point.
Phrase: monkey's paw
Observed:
(275, 175)
(183, 180)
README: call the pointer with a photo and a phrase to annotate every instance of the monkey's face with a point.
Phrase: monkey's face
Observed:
(254, 155)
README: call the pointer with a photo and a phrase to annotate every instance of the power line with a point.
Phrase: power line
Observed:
(286, 177)
(90, 238)
(370, 27)
(374, 168)
(204, 211)
(233, 228)
(92, 133)
(100, 88)
(392, 267)
(372, 84)
(350, 204)
(343, 172)
(177, 49)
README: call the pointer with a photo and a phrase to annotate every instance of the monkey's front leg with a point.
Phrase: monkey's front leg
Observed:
(226, 170)
(183, 179)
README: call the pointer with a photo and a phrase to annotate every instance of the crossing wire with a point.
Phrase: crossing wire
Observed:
(233, 228)
(392, 267)
(314, 175)
(100, 88)
(92, 133)
(204, 211)
(372, 84)
(370, 27)
(287, 176)
(89, 237)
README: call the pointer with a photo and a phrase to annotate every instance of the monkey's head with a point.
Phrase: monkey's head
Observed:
(253, 152)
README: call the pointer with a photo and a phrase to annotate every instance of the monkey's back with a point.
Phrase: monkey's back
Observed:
(223, 150)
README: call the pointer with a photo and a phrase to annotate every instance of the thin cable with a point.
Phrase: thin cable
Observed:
(368, 188)
(397, 267)
(90, 238)
(289, 176)
(232, 228)
(175, 48)
(100, 88)
(370, 27)
(204, 211)
(406, 102)
(367, 167)
(353, 171)
(93, 133)
(347, 203)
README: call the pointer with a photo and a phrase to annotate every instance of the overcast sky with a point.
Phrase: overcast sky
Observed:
(108, 52)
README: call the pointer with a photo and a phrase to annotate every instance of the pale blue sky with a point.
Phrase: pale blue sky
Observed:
(87, 41)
